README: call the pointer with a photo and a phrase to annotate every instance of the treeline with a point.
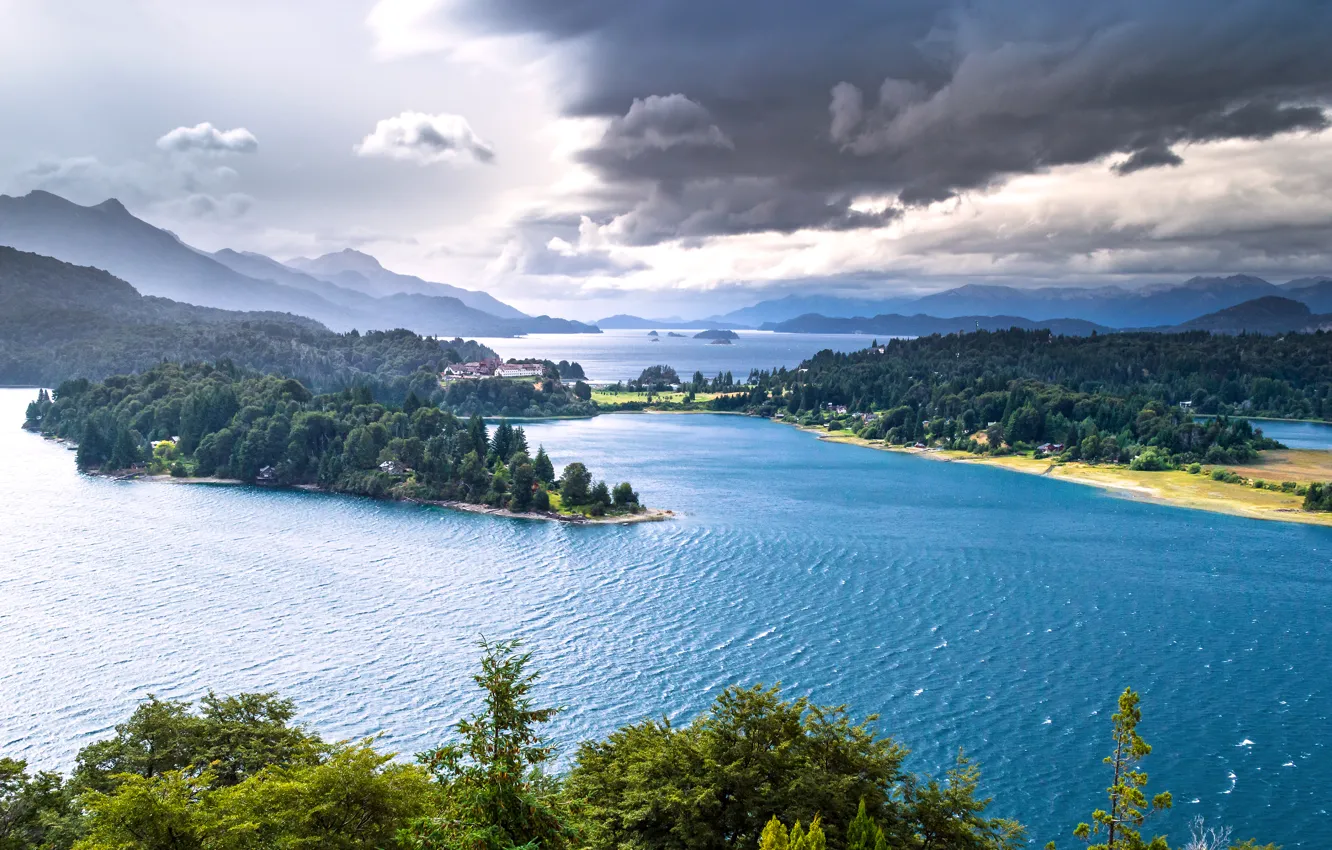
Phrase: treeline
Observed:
(203, 420)
(524, 399)
(755, 771)
(1128, 398)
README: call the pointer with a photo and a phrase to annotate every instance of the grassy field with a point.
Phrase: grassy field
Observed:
(613, 398)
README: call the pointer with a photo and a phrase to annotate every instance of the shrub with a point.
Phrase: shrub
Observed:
(1195, 468)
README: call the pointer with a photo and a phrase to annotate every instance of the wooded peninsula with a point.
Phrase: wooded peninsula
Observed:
(220, 422)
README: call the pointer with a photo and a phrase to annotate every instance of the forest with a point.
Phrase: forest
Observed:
(221, 421)
(755, 771)
(1119, 398)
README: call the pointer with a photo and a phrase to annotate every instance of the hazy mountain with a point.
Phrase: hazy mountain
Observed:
(622, 321)
(1113, 306)
(360, 271)
(156, 263)
(1268, 315)
(782, 309)
(920, 325)
(106, 236)
(1314, 291)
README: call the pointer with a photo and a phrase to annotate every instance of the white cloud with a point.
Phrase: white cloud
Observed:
(426, 139)
(206, 138)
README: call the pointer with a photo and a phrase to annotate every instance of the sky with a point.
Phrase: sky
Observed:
(681, 157)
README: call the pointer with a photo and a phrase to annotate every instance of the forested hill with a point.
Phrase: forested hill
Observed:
(59, 321)
(1125, 398)
(1287, 376)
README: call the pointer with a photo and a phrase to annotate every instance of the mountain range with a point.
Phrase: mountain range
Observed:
(1164, 304)
(345, 290)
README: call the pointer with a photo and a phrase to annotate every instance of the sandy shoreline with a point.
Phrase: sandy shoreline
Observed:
(1175, 487)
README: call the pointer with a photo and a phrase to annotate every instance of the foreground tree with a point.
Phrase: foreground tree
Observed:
(1122, 823)
(492, 792)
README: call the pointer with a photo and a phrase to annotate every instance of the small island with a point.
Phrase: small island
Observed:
(717, 334)
(720, 342)
(212, 424)
(652, 333)
(674, 334)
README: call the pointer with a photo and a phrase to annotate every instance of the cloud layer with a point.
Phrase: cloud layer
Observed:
(905, 103)
(426, 139)
(205, 138)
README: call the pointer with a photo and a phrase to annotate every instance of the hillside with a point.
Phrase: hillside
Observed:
(106, 236)
(156, 263)
(1269, 315)
(59, 321)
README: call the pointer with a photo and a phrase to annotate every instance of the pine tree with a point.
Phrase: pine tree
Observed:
(545, 470)
(775, 836)
(125, 450)
(493, 793)
(861, 833)
(1129, 807)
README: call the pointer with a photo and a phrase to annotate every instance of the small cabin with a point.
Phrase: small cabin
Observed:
(267, 475)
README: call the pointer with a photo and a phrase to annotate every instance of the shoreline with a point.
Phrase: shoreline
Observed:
(646, 515)
(1174, 488)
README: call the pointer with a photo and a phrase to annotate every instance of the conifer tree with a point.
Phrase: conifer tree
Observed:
(1129, 807)
(545, 470)
(494, 795)
(775, 836)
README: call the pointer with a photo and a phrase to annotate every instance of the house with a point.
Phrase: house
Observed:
(1050, 448)
(267, 475)
(392, 467)
(476, 369)
(1186, 405)
(520, 370)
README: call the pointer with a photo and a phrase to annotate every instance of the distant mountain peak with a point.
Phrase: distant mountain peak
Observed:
(112, 205)
(346, 260)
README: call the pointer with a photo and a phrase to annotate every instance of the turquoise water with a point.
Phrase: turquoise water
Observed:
(969, 606)
(621, 355)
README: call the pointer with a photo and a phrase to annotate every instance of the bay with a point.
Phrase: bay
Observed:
(967, 605)
(622, 355)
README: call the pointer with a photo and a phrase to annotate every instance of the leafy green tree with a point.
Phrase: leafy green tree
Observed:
(524, 479)
(541, 498)
(1120, 826)
(493, 794)
(237, 736)
(715, 783)
(27, 804)
(582, 391)
(624, 495)
(355, 799)
(575, 485)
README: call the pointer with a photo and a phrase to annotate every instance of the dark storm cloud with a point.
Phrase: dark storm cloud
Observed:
(919, 100)
(1153, 157)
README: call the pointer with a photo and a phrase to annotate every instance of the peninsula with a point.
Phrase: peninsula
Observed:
(220, 423)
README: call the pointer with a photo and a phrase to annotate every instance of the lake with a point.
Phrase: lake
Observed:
(967, 605)
(621, 355)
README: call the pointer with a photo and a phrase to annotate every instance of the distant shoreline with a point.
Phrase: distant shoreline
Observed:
(1174, 488)
(645, 515)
